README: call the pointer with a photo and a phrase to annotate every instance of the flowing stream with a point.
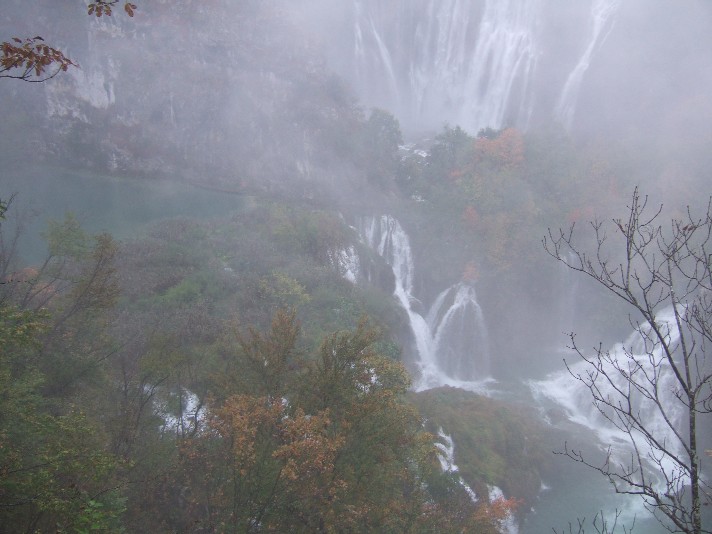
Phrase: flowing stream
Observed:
(570, 402)
(639, 359)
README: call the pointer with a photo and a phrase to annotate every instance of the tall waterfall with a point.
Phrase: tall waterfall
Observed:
(472, 63)
(448, 59)
(451, 339)
(602, 19)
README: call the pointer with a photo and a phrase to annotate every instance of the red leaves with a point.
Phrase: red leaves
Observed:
(506, 151)
(104, 7)
(31, 60)
(496, 511)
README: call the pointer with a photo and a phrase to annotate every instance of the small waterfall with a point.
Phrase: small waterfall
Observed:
(446, 456)
(451, 340)
(457, 325)
(346, 262)
(509, 524)
(602, 20)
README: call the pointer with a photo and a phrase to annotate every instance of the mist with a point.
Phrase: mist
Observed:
(399, 159)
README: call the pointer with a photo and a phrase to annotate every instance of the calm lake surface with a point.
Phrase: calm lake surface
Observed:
(121, 206)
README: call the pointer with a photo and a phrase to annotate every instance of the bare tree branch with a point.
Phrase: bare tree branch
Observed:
(653, 391)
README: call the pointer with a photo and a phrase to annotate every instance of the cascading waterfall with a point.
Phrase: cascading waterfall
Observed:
(458, 328)
(446, 456)
(472, 63)
(451, 340)
(576, 399)
(505, 53)
(448, 59)
(602, 19)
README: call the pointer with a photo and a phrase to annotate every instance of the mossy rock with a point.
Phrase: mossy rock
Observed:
(496, 443)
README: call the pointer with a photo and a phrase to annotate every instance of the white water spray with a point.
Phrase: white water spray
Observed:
(637, 356)
(446, 456)
(438, 60)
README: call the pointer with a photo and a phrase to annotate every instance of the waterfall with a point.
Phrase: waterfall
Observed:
(457, 325)
(602, 19)
(448, 60)
(575, 399)
(451, 340)
(371, 51)
(472, 63)
(505, 52)
(446, 456)
(346, 262)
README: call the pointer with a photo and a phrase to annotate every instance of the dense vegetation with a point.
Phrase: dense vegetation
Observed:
(224, 375)
(135, 399)
(221, 375)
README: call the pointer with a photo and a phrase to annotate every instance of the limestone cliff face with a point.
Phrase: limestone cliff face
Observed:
(229, 94)
(242, 94)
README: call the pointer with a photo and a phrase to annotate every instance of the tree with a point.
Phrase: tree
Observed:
(382, 137)
(33, 60)
(657, 387)
(55, 471)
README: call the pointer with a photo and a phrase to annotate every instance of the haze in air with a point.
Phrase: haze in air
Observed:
(279, 265)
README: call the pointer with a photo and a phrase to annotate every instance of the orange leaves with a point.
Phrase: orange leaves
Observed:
(242, 421)
(505, 151)
(301, 442)
(266, 457)
(307, 448)
(31, 60)
(496, 511)
(104, 7)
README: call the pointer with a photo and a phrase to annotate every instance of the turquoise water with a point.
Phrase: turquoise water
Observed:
(121, 206)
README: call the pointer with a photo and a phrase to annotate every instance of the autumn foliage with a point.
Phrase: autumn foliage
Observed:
(33, 60)
(505, 151)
